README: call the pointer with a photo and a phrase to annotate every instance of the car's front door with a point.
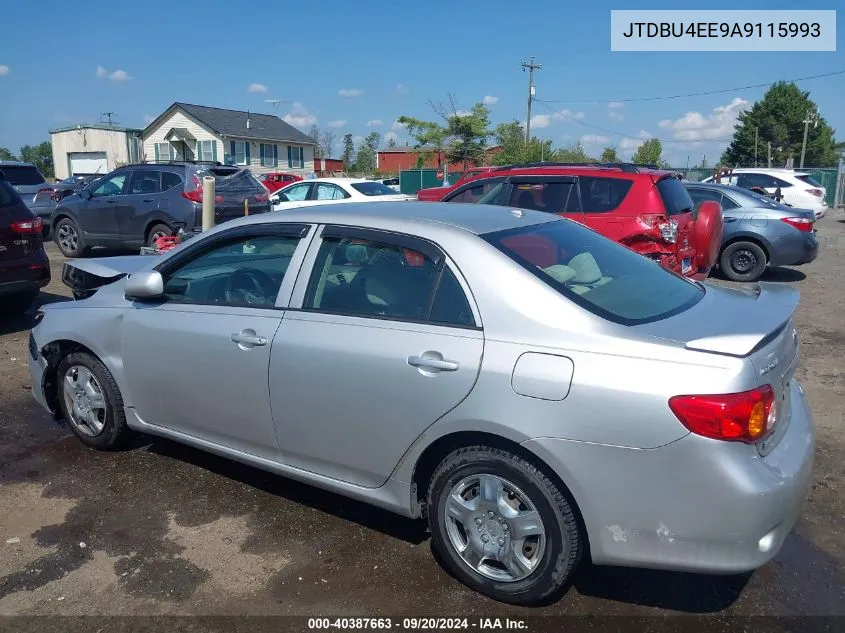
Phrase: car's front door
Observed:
(196, 361)
(384, 342)
(142, 201)
(99, 215)
(295, 196)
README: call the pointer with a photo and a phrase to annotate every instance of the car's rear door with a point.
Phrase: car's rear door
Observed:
(196, 361)
(381, 340)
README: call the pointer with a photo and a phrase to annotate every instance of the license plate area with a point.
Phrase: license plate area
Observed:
(686, 265)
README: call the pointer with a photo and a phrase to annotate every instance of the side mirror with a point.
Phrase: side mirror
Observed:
(144, 285)
(281, 197)
(85, 194)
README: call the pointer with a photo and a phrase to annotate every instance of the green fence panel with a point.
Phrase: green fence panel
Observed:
(827, 179)
(412, 180)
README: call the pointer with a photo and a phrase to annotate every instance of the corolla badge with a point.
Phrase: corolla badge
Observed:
(769, 367)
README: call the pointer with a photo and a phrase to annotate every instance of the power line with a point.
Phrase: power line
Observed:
(569, 117)
(692, 94)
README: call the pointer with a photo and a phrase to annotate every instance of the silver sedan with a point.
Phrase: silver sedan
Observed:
(540, 393)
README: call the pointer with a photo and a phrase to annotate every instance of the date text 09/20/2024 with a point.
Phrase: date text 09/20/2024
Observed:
(417, 624)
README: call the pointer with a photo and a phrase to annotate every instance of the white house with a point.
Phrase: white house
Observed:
(93, 148)
(260, 141)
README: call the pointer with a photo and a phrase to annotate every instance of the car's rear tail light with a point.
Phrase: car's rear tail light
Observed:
(815, 192)
(195, 195)
(802, 224)
(28, 226)
(735, 417)
(261, 197)
(46, 190)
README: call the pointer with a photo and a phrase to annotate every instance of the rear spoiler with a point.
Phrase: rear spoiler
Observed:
(85, 276)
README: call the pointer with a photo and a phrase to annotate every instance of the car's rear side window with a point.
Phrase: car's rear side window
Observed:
(169, 180)
(19, 175)
(602, 195)
(596, 273)
(807, 178)
(675, 196)
(548, 196)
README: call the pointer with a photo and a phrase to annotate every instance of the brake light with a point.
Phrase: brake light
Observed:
(46, 190)
(802, 224)
(735, 417)
(815, 192)
(196, 194)
(28, 226)
(261, 197)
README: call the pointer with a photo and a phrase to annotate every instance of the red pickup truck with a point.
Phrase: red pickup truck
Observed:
(435, 194)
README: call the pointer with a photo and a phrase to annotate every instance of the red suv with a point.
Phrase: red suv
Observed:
(646, 209)
(276, 180)
(433, 194)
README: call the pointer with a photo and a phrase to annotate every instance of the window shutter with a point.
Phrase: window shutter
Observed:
(275, 155)
(214, 151)
(261, 149)
(246, 150)
(234, 153)
(156, 148)
(290, 157)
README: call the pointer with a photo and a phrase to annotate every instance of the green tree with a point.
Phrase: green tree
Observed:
(41, 156)
(316, 136)
(609, 155)
(430, 138)
(468, 134)
(650, 153)
(779, 118)
(573, 154)
(5, 154)
(515, 149)
(348, 152)
(391, 142)
(365, 162)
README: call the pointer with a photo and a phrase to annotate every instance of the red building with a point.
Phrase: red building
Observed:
(395, 159)
(326, 167)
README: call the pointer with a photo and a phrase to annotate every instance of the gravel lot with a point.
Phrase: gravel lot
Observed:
(164, 529)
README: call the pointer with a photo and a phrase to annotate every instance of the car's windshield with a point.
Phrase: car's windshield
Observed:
(807, 178)
(19, 175)
(372, 188)
(598, 274)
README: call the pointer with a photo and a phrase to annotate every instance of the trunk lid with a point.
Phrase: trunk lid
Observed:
(755, 323)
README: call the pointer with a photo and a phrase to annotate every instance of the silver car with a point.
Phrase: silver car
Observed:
(540, 393)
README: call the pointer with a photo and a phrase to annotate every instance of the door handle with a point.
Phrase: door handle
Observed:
(248, 339)
(437, 364)
(110, 201)
(149, 200)
(729, 219)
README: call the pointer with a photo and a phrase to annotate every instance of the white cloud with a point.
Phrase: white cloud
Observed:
(256, 88)
(694, 126)
(402, 89)
(350, 92)
(539, 121)
(613, 110)
(338, 123)
(4, 70)
(117, 75)
(490, 100)
(615, 105)
(594, 139)
(390, 136)
(629, 143)
(396, 126)
(374, 123)
(299, 116)
(568, 115)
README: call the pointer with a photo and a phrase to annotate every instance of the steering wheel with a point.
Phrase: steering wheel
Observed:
(250, 286)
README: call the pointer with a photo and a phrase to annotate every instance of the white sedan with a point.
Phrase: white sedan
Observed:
(333, 191)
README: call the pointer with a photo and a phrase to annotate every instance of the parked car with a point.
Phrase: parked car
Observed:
(135, 205)
(758, 231)
(333, 191)
(71, 185)
(277, 179)
(432, 194)
(24, 267)
(537, 391)
(646, 209)
(36, 193)
(393, 183)
(798, 188)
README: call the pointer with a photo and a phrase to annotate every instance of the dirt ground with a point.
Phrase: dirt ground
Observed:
(164, 529)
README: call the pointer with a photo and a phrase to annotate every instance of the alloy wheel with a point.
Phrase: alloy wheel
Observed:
(84, 400)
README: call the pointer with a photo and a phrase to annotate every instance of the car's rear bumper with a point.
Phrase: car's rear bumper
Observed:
(696, 504)
(794, 249)
(24, 276)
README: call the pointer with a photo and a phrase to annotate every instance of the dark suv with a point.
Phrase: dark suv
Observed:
(645, 208)
(24, 267)
(135, 205)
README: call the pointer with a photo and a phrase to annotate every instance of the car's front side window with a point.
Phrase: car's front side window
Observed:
(245, 271)
(297, 193)
(110, 186)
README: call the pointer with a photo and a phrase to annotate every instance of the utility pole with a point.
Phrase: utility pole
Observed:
(531, 66)
(770, 154)
(756, 129)
(812, 117)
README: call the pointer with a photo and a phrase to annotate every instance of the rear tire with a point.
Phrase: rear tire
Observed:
(69, 238)
(743, 261)
(156, 231)
(526, 551)
(90, 401)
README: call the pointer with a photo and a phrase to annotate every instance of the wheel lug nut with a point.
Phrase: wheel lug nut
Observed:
(501, 541)
(484, 538)
(491, 514)
(505, 527)
(478, 520)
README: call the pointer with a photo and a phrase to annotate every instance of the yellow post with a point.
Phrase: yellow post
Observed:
(207, 202)
(246, 206)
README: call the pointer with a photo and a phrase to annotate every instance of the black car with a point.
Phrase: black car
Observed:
(24, 267)
(136, 204)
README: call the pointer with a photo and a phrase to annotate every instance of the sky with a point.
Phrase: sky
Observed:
(355, 67)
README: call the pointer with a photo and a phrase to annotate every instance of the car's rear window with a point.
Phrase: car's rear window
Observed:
(807, 178)
(8, 196)
(598, 274)
(19, 175)
(675, 197)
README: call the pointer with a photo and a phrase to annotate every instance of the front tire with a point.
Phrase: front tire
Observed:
(501, 526)
(69, 238)
(743, 261)
(90, 401)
